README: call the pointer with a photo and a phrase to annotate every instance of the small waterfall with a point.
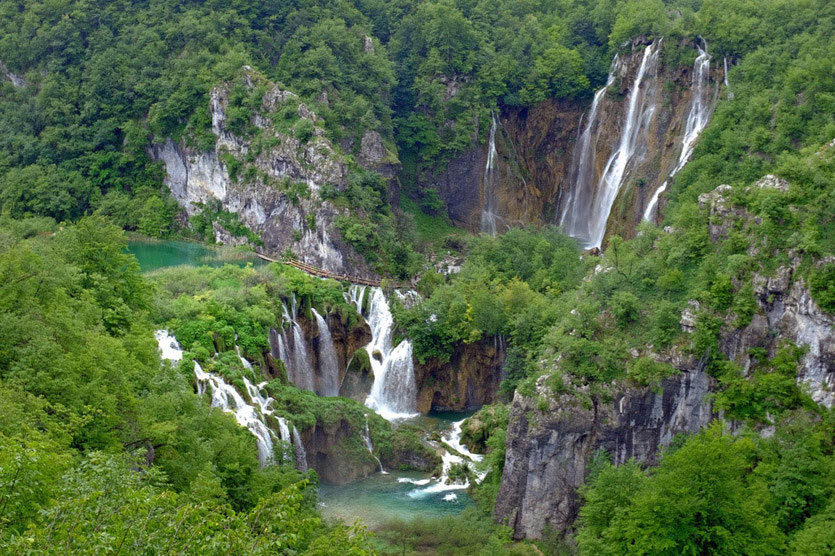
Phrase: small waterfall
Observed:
(393, 394)
(226, 398)
(293, 350)
(301, 361)
(697, 118)
(452, 439)
(301, 456)
(328, 361)
(355, 296)
(367, 438)
(489, 183)
(587, 211)
(574, 220)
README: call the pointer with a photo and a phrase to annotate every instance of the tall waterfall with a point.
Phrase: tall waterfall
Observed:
(328, 361)
(394, 393)
(227, 398)
(697, 118)
(489, 184)
(589, 213)
(574, 220)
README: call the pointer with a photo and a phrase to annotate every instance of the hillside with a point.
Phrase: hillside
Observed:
(601, 235)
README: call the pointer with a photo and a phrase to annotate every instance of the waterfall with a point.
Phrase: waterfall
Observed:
(301, 362)
(226, 398)
(301, 456)
(393, 394)
(697, 118)
(461, 455)
(638, 115)
(355, 296)
(294, 353)
(489, 183)
(574, 220)
(588, 211)
(328, 361)
(367, 438)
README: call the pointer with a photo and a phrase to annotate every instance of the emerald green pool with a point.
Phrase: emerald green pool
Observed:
(379, 499)
(155, 254)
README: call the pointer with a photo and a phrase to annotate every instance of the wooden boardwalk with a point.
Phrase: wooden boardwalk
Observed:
(322, 273)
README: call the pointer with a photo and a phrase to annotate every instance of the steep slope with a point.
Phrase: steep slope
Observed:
(574, 164)
(268, 168)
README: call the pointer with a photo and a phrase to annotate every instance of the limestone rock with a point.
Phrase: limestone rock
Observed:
(548, 447)
(197, 178)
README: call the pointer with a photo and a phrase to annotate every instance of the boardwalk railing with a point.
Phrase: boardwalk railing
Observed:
(321, 272)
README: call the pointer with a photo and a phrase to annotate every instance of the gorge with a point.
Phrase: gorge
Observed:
(425, 277)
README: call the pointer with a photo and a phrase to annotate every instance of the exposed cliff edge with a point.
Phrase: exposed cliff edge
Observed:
(540, 170)
(269, 171)
(15, 79)
(468, 380)
(548, 447)
(551, 435)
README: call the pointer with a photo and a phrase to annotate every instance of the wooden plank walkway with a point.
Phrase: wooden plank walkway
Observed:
(322, 273)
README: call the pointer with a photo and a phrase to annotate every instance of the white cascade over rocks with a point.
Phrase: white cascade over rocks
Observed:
(225, 397)
(455, 454)
(698, 116)
(586, 214)
(328, 360)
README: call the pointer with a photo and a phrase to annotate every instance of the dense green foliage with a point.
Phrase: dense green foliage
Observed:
(104, 448)
(716, 494)
(86, 405)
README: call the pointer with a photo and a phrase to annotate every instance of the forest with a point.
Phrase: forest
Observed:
(105, 446)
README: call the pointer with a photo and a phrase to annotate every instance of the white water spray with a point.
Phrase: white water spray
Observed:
(574, 220)
(226, 398)
(328, 361)
(451, 439)
(697, 118)
(489, 184)
(587, 211)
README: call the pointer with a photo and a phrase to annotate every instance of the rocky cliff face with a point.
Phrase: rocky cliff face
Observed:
(548, 447)
(468, 380)
(537, 161)
(337, 453)
(551, 437)
(267, 176)
(786, 308)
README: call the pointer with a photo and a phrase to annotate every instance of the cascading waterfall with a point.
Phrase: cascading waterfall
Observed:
(226, 398)
(489, 183)
(393, 394)
(638, 115)
(451, 439)
(294, 353)
(301, 362)
(574, 220)
(301, 456)
(328, 361)
(588, 215)
(697, 118)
